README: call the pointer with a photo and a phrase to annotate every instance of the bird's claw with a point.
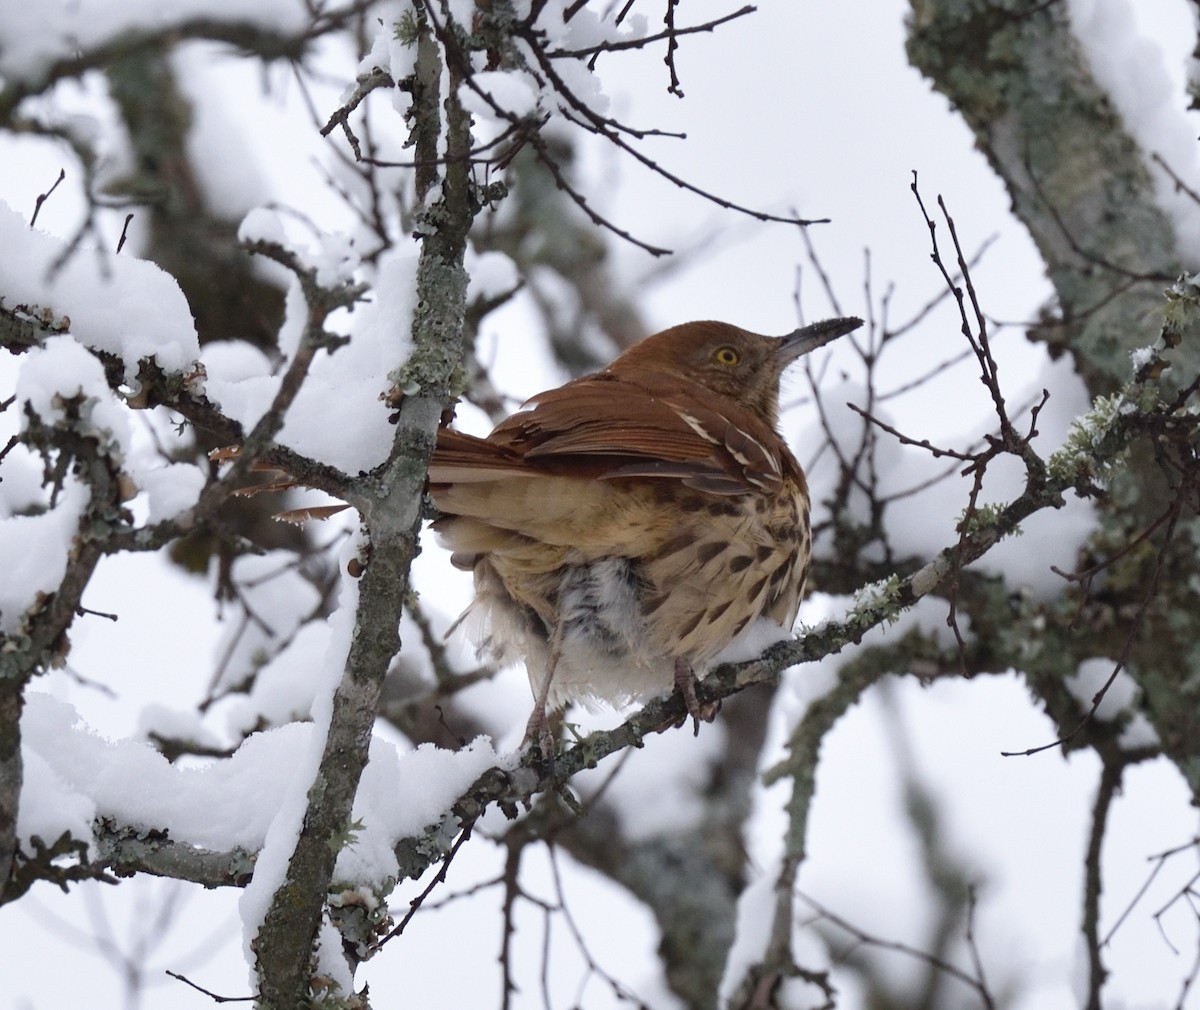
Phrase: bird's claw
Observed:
(685, 683)
(538, 736)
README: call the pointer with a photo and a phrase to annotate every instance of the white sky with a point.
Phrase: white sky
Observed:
(845, 123)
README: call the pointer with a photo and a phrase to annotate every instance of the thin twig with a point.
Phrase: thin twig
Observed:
(211, 995)
(975, 982)
(43, 197)
(1110, 784)
(438, 878)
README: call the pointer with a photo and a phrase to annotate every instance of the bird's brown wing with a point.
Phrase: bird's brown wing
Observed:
(605, 428)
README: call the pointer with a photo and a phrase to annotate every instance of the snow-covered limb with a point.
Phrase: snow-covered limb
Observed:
(34, 637)
(76, 39)
(122, 808)
(122, 306)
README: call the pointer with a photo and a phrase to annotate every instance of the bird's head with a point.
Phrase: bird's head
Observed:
(730, 361)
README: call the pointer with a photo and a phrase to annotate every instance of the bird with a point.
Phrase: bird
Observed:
(625, 528)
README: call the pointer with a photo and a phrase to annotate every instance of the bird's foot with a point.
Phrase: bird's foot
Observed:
(685, 683)
(538, 734)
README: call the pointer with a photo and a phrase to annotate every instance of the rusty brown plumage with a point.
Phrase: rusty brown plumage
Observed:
(625, 528)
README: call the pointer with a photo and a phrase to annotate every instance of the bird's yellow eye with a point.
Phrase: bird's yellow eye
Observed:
(726, 356)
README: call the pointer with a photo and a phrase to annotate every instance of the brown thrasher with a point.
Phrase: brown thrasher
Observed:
(626, 527)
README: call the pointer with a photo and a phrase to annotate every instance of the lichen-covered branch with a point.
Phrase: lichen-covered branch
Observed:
(390, 503)
(1077, 179)
(41, 635)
